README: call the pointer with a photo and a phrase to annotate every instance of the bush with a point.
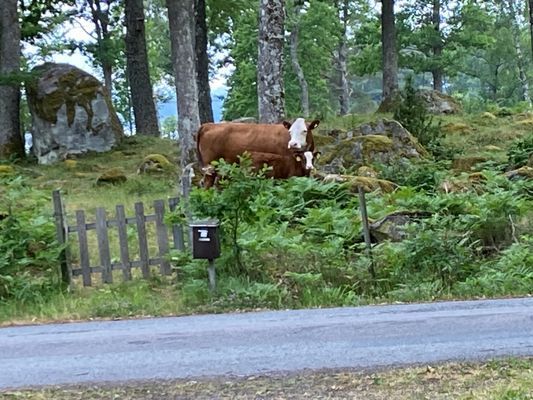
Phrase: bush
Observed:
(520, 152)
(410, 110)
(29, 252)
(509, 273)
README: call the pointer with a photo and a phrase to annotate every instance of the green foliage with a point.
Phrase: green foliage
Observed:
(424, 175)
(510, 271)
(412, 113)
(520, 152)
(29, 253)
(232, 205)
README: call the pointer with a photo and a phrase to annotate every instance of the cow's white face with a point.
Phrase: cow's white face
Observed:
(308, 160)
(309, 156)
(298, 132)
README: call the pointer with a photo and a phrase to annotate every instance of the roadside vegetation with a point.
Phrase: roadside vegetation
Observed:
(496, 380)
(294, 243)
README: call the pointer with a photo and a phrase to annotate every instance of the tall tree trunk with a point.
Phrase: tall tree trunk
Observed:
(519, 56)
(202, 64)
(304, 91)
(10, 136)
(142, 96)
(530, 7)
(270, 90)
(101, 23)
(390, 55)
(344, 96)
(437, 47)
(180, 15)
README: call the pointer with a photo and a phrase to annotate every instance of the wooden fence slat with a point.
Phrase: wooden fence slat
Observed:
(103, 245)
(162, 236)
(62, 236)
(123, 242)
(177, 230)
(143, 243)
(84, 248)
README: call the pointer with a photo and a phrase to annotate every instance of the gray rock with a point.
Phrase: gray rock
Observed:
(71, 114)
(392, 227)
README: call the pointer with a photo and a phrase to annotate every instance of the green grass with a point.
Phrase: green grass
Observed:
(138, 298)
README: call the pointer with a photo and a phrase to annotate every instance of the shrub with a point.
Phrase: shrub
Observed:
(520, 151)
(411, 111)
(29, 252)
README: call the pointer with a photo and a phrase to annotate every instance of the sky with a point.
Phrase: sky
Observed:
(79, 31)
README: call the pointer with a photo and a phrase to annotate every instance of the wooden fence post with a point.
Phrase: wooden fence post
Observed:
(177, 230)
(162, 236)
(143, 243)
(123, 242)
(103, 245)
(61, 234)
(84, 248)
(366, 228)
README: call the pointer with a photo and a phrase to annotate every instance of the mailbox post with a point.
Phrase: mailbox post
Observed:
(206, 245)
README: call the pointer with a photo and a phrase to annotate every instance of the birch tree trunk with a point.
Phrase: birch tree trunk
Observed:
(294, 36)
(10, 136)
(270, 91)
(390, 55)
(142, 96)
(437, 48)
(180, 15)
(519, 56)
(202, 64)
(344, 96)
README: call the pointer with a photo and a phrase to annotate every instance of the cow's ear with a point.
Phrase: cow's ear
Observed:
(314, 124)
(287, 124)
(317, 155)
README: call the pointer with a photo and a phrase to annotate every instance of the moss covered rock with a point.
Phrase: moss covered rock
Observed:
(524, 172)
(71, 113)
(393, 226)
(155, 163)
(466, 164)
(112, 176)
(6, 170)
(367, 183)
(384, 141)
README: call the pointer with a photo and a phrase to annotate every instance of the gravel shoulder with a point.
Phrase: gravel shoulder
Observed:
(502, 379)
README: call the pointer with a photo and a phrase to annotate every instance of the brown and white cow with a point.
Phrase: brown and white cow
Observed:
(286, 166)
(228, 141)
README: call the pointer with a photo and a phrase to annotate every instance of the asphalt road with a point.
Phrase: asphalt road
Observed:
(264, 342)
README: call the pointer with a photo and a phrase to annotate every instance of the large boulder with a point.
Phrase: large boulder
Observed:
(384, 141)
(71, 113)
(439, 103)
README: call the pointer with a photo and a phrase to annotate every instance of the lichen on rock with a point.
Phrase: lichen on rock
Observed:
(71, 113)
(383, 141)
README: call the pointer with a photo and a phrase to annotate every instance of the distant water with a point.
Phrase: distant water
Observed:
(217, 98)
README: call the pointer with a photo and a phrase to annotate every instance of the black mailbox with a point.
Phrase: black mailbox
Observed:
(205, 240)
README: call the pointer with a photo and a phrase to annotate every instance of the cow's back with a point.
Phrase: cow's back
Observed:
(229, 140)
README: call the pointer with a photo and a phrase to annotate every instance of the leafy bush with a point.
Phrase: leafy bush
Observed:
(520, 151)
(425, 175)
(29, 252)
(411, 111)
(509, 273)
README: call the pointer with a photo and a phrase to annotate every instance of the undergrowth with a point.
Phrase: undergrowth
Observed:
(285, 244)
